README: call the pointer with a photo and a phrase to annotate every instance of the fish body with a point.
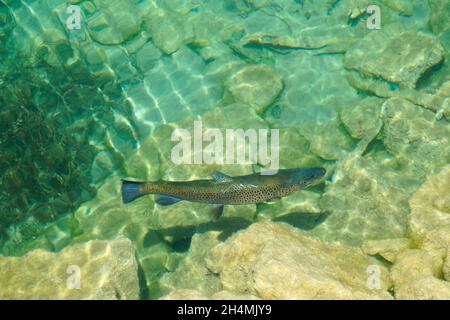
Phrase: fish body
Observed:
(224, 190)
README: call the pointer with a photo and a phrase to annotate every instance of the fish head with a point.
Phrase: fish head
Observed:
(304, 176)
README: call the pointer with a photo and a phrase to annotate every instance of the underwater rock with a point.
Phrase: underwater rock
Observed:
(278, 40)
(169, 30)
(429, 288)
(192, 273)
(310, 104)
(304, 205)
(227, 295)
(430, 213)
(416, 275)
(362, 118)
(429, 73)
(147, 57)
(443, 105)
(419, 273)
(284, 27)
(415, 138)
(143, 164)
(46, 275)
(155, 258)
(256, 85)
(114, 21)
(186, 294)
(446, 268)
(295, 149)
(276, 261)
(367, 199)
(319, 39)
(358, 8)
(53, 47)
(235, 116)
(403, 7)
(179, 221)
(392, 58)
(105, 217)
(180, 92)
(389, 249)
(245, 212)
(439, 21)
(414, 264)
(322, 128)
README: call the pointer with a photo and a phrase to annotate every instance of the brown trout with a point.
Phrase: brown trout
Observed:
(224, 189)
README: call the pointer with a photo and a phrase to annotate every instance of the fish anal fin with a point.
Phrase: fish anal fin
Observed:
(165, 200)
(221, 177)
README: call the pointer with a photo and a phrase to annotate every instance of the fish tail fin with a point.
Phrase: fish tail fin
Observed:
(131, 190)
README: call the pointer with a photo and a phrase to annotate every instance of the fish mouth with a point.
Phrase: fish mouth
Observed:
(320, 172)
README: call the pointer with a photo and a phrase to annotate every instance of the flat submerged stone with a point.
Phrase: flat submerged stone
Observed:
(107, 270)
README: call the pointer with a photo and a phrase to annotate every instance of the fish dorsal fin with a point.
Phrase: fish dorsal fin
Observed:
(221, 177)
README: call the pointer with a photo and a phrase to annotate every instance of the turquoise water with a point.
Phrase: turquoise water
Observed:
(92, 94)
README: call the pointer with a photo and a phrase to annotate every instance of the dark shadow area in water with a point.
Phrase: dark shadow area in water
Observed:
(374, 146)
(427, 77)
(153, 237)
(303, 220)
(227, 226)
(183, 235)
(382, 260)
(143, 289)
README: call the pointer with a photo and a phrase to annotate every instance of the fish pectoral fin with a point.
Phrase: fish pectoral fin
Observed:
(217, 211)
(271, 201)
(165, 200)
(221, 177)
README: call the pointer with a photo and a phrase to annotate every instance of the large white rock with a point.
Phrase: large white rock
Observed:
(414, 264)
(107, 270)
(422, 273)
(430, 213)
(192, 273)
(446, 268)
(277, 261)
(429, 288)
(389, 249)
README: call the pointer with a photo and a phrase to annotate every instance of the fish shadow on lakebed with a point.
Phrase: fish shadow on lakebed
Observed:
(227, 226)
